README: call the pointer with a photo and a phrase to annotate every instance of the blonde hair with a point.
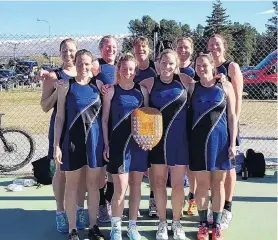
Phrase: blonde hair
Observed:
(189, 39)
(140, 39)
(170, 51)
(124, 58)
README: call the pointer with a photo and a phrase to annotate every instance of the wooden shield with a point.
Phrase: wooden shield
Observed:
(146, 127)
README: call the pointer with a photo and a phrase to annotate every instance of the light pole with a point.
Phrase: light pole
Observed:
(49, 32)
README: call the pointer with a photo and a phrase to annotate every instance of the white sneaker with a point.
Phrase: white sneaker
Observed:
(162, 231)
(178, 231)
(225, 219)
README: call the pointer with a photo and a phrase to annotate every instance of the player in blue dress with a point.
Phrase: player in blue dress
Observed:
(212, 141)
(107, 74)
(78, 120)
(168, 93)
(217, 45)
(68, 48)
(185, 48)
(146, 69)
(127, 162)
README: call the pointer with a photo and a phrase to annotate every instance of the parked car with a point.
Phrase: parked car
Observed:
(246, 68)
(261, 81)
(26, 71)
(7, 78)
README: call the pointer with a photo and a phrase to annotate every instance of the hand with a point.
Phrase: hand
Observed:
(60, 82)
(106, 153)
(222, 78)
(232, 152)
(41, 75)
(57, 154)
(104, 89)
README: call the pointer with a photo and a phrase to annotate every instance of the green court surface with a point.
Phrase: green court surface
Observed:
(30, 214)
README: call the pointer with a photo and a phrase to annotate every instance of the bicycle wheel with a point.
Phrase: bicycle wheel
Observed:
(17, 148)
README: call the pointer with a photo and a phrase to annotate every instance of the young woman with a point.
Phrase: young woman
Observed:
(127, 161)
(218, 47)
(146, 69)
(168, 93)
(68, 48)
(107, 74)
(185, 48)
(212, 141)
(78, 109)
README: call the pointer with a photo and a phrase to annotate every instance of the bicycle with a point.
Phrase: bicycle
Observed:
(15, 144)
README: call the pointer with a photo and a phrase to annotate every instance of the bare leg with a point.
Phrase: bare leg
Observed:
(58, 184)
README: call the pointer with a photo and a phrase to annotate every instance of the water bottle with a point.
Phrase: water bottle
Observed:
(52, 167)
(24, 182)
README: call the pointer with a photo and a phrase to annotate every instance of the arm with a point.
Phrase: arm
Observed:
(146, 96)
(147, 83)
(186, 80)
(237, 82)
(49, 94)
(106, 101)
(59, 120)
(232, 118)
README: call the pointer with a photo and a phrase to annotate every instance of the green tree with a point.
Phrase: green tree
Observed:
(272, 23)
(244, 36)
(218, 21)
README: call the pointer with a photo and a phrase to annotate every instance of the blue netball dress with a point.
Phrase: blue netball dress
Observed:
(189, 71)
(107, 73)
(149, 72)
(60, 74)
(224, 68)
(125, 154)
(209, 140)
(83, 139)
(171, 100)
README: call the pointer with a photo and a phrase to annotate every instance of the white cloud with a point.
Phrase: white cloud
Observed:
(267, 12)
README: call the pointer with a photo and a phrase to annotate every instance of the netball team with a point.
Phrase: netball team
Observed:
(95, 154)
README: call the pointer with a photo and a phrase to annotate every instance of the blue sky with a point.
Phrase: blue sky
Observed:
(98, 18)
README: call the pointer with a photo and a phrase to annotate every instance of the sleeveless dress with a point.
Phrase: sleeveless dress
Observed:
(60, 75)
(171, 100)
(224, 68)
(125, 154)
(149, 72)
(210, 139)
(107, 73)
(189, 70)
(83, 139)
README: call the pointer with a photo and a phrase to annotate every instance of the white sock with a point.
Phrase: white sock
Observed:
(116, 221)
(131, 222)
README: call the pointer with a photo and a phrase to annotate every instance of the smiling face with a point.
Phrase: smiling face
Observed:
(108, 50)
(127, 70)
(216, 47)
(83, 65)
(204, 67)
(168, 64)
(141, 50)
(68, 51)
(184, 49)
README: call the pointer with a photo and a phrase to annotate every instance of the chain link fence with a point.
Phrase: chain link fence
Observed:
(20, 93)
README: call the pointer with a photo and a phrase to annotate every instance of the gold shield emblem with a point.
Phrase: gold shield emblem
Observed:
(146, 127)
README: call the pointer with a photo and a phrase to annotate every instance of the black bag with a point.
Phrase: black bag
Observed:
(255, 163)
(41, 169)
